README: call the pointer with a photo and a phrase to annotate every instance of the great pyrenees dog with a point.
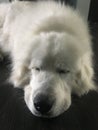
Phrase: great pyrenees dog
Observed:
(51, 51)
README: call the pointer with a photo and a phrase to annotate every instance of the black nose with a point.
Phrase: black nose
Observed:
(43, 103)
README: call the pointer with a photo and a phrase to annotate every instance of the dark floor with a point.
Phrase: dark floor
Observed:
(14, 115)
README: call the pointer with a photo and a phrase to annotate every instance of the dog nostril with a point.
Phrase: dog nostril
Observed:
(43, 104)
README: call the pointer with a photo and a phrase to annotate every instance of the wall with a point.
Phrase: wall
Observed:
(83, 6)
(4, 0)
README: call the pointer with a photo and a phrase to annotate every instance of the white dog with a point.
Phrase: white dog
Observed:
(51, 53)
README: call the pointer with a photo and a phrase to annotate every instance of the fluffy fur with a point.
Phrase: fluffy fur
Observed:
(51, 52)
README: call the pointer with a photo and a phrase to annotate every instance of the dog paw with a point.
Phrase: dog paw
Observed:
(20, 77)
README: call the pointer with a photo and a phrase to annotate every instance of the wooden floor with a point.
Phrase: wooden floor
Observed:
(14, 115)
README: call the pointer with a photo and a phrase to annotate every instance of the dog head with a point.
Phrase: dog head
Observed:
(58, 66)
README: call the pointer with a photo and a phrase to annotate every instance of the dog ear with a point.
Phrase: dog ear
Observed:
(84, 77)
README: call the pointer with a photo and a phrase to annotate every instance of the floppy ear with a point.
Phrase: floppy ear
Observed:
(84, 77)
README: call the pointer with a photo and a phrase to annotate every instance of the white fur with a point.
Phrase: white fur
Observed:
(48, 36)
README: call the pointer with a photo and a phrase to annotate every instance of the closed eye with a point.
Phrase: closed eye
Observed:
(62, 71)
(36, 68)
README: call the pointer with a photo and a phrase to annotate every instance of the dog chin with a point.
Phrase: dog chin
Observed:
(48, 115)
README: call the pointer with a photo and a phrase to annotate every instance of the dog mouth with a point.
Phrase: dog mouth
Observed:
(46, 104)
(46, 115)
(52, 113)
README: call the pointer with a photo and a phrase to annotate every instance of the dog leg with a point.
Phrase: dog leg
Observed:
(19, 76)
(3, 12)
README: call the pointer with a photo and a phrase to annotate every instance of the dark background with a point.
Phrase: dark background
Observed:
(93, 13)
(82, 115)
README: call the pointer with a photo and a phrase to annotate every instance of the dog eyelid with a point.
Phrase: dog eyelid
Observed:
(36, 68)
(62, 71)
